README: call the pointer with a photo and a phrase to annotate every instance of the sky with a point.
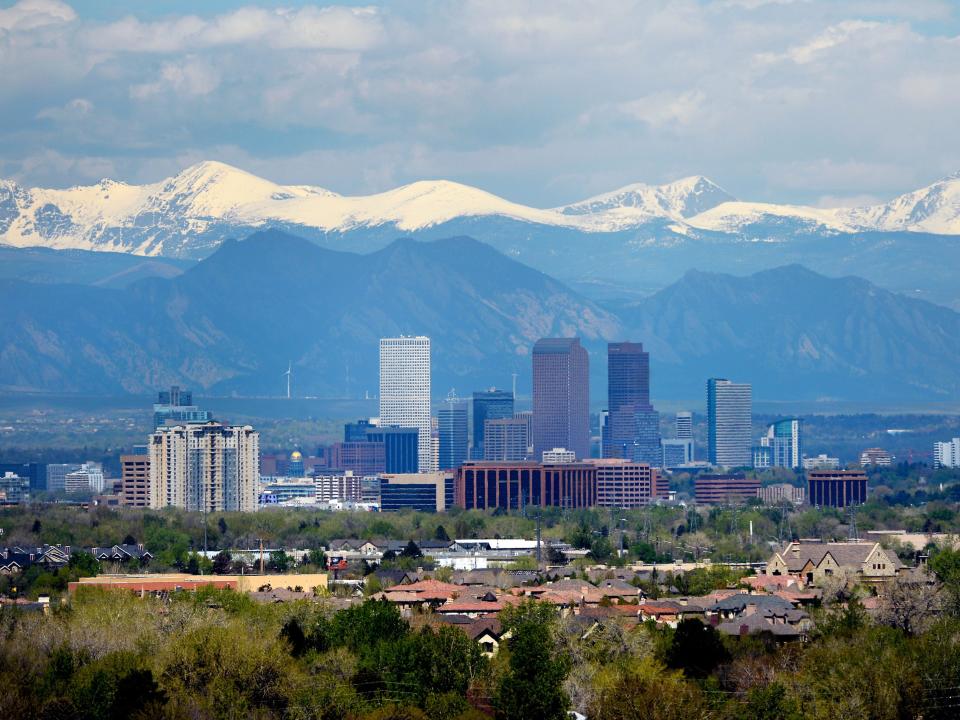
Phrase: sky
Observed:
(822, 102)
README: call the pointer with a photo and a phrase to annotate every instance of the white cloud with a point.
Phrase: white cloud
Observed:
(188, 77)
(32, 14)
(544, 103)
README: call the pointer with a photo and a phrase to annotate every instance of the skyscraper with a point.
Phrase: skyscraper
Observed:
(684, 425)
(729, 414)
(632, 428)
(405, 390)
(205, 467)
(561, 396)
(452, 430)
(489, 404)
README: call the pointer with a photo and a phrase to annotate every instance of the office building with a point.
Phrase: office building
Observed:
(875, 456)
(632, 427)
(626, 484)
(732, 489)
(337, 487)
(527, 417)
(781, 494)
(513, 486)
(676, 453)
(452, 438)
(357, 431)
(762, 456)
(87, 478)
(947, 454)
(57, 475)
(489, 404)
(427, 492)
(364, 458)
(558, 456)
(506, 439)
(646, 441)
(288, 491)
(628, 392)
(405, 390)
(207, 467)
(14, 490)
(175, 406)
(135, 480)
(561, 396)
(401, 448)
(784, 445)
(729, 417)
(35, 473)
(684, 425)
(821, 462)
(836, 488)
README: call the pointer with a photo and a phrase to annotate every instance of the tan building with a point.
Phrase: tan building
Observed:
(814, 561)
(135, 480)
(170, 582)
(626, 484)
(781, 493)
(207, 467)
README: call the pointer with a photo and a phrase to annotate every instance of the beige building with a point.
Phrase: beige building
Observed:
(781, 493)
(207, 467)
(814, 561)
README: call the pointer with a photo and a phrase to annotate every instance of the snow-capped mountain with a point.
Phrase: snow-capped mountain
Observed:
(192, 212)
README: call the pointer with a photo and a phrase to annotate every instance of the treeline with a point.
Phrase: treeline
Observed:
(217, 654)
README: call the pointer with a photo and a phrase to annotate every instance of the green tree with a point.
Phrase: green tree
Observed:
(280, 561)
(412, 550)
(532, 686)
(696, 649)
(441, 534)
(222, 563)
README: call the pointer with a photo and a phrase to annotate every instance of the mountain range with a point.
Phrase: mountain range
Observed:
(640, 237)
(231, 322)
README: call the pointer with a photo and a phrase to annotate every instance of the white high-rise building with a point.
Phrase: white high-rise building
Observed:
(729, 423)
(947, 454)
(684, 425)
(205, 467)
(88, 478)
(405, 391)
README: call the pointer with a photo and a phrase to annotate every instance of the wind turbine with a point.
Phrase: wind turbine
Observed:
(289, 374)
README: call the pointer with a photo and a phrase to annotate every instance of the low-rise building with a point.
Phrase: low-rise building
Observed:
(725, 489)
(875, 456)
(14, 490)
(821, 462)
(836, 488)
(781, 493)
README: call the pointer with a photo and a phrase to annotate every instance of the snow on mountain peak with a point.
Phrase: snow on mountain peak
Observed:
(194, 210)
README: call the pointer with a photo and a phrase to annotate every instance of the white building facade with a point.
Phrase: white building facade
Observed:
(947, 454)
(405, 391)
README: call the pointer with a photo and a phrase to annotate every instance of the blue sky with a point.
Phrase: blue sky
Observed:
(810, 101)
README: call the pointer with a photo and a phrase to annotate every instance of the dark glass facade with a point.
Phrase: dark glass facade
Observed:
(490, 404)
(452, 431)
(632, 429)
(512, 486)
(836, 488)
(36, 473)
(402, 494)
(399, 448)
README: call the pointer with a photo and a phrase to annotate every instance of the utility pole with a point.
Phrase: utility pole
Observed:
(261, 556)
(538, 539)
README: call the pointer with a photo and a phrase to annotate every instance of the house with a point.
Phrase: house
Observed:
(814, 561)
(122, 554)
(15, 559)
(488, 634)
(781, 628)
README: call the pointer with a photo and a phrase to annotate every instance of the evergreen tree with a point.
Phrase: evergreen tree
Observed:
(532, 687)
